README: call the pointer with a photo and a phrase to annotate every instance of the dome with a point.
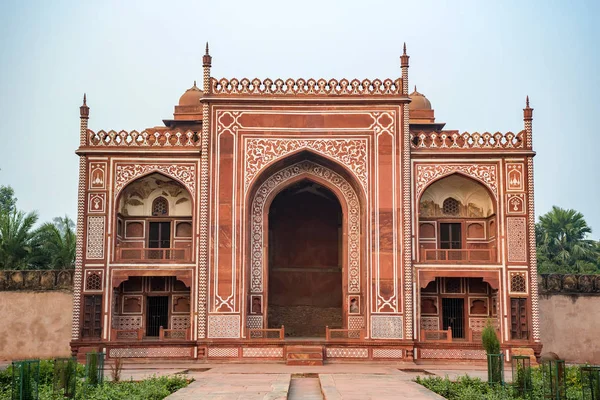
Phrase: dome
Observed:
(419, 101)
(191, 97)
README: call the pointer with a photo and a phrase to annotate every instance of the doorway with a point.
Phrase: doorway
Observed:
(305, 260)
(453, 316)
(157, 314)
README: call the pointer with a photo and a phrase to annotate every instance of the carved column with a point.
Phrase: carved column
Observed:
(204, 183)
(533, 283)
(84, 112)
(406, 201)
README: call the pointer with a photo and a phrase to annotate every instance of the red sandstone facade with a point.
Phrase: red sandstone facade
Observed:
(267, 215)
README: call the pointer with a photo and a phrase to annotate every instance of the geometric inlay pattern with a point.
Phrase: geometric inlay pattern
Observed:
(356, 322)
(353, 220)
(180, 321)
(352, 153)
(484, 173)
(430, 323)
(127, 322)
(223, 326)
(254, 321)
(151, 352)
(477, 324)
(517, 239)
(223, 352)
(387, 353)
(347, 352)
(95, 238)
(386, 327)
(453, 354)
(263, 352)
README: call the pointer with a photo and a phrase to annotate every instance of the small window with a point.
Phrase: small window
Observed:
(450, 236)
(517, 283)
(451, 206)
(160, 207)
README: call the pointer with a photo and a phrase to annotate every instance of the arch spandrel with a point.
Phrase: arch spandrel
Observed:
(351, 153)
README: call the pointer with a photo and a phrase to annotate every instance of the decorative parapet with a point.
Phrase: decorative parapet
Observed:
(452, 140)
(307, 87)
(143, 139)
(36, 280)
(569, 284)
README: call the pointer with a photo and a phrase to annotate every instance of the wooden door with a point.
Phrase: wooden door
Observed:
(92, 316)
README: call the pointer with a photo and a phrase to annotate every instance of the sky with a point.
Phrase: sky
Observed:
(474, 60)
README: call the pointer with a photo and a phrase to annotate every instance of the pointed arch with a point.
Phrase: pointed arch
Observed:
(182, 173)
(486, 174)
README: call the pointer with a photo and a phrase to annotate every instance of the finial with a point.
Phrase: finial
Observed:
(84, 110)
(194, 83)
(415, 88)
(404, 58)
(206, 59)
(527, 111)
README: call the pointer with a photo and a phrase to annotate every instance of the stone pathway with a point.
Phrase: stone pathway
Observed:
(371, 386)
(303, 388)
(328, 382)
(236, 386)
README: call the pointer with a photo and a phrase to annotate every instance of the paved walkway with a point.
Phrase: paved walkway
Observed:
(278, 381)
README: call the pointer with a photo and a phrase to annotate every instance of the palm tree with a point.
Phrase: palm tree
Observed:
(56, 244)
(16, 238)
(563, 244)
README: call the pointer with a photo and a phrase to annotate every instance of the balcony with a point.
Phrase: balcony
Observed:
(458, 256)
(153, 255)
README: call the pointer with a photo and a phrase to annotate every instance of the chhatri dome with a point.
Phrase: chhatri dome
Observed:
(191, 97)
(419, 101)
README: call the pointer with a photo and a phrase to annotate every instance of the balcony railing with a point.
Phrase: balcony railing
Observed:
(152, 255)
(344, 334)
(436, 336)
(458, 255)
(273, 334)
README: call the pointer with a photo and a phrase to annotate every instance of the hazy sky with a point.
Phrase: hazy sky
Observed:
(474, 60)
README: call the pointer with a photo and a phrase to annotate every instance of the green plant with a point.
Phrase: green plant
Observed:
(115, 369)
(491, 344)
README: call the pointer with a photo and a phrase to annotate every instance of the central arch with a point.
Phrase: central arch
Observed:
(335, 186)
(305, 260)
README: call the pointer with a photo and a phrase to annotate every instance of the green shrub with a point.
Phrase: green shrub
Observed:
(491, 344)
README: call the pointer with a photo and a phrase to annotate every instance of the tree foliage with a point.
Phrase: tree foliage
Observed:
(564, 244)
(22, 246)
(17, 239)
(7, 199)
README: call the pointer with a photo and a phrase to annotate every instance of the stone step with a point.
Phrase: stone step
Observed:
(305, 356)
(303, 349)
(304, 362)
